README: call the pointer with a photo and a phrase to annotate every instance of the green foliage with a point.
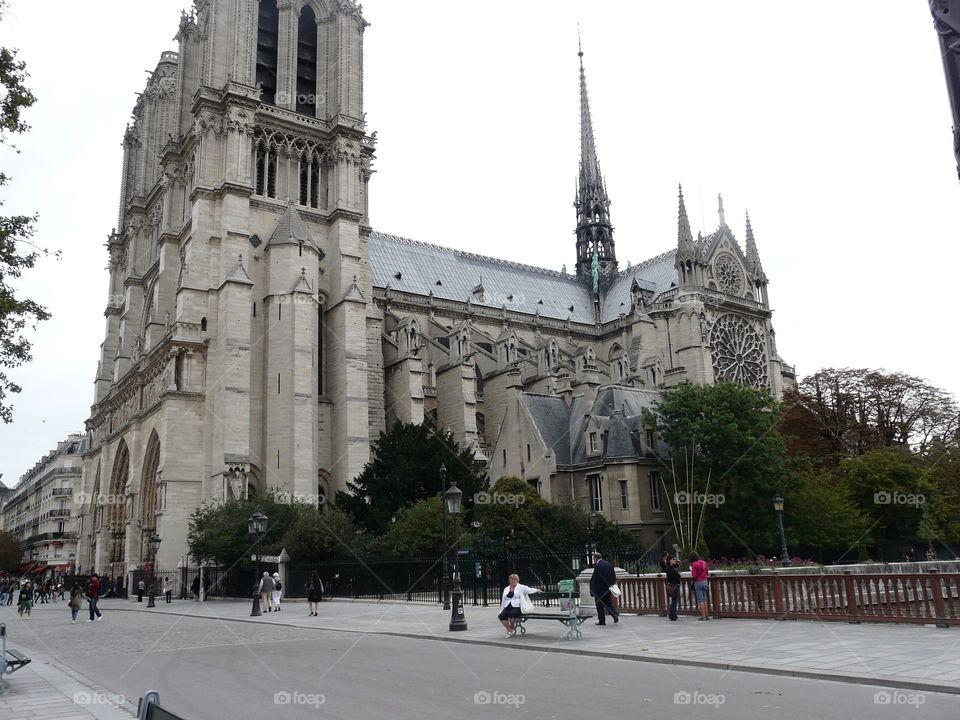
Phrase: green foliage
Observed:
(533, 525)
(321, 535)
(17, 252)
(10, 552)
(418, 530)
(821, 514)
(723, 440)
(406, 468)
(218, 532)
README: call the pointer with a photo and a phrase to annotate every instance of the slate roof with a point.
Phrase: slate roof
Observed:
(290, 229)
(522, 288)
(617, 409)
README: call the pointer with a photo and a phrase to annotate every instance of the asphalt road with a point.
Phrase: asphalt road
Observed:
(212, 670)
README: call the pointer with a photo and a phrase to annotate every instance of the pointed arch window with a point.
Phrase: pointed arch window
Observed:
(268, 32)
(307, 63)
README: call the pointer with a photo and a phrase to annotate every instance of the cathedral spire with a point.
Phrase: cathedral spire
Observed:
(594, 231)
(686, 256)
(723, 221)
(753, 256)
(684, 235)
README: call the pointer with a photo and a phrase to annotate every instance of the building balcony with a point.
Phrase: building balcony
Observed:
(62, 492)
(59, 513)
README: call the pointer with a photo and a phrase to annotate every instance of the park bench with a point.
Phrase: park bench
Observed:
(568, 605)
(12, 660)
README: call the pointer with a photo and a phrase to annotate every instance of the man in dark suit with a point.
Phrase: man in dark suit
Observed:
(603, 577)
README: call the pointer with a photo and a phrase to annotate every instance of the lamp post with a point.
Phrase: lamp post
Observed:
(257, 527)
(778, 508)
(444, 576)
(153, 544)
(453, 496)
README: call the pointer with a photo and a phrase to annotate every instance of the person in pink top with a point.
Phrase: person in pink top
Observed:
(699, 573)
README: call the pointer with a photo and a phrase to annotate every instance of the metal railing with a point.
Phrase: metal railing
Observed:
(919, 598)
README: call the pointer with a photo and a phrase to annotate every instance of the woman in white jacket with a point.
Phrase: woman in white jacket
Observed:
(277, 591)
(510, 603)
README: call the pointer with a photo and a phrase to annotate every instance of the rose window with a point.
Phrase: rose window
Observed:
(739, 352)
(729, 275)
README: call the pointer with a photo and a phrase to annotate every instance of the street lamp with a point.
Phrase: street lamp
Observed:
(257, 527)
(778, 508)
(153, 545)
(445, 574)
(452, 498)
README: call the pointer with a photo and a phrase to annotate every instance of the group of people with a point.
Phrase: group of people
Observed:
(43, 591)
(699, 576)
(606, 593)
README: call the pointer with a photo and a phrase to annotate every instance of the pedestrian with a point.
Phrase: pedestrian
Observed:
(93, 595)
(673, 585)
(603, 577)
(25, 599)
(141, 586)
(314, 590)
(195, 588)
(168, 589)
(266, 590)
(664, 561)
(511, 604)
(76, 601)
(699, 573)
(277, 590)
(12, 587)
(931, 554)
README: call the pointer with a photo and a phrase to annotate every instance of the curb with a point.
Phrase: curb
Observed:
(849, 678)
(71, 683)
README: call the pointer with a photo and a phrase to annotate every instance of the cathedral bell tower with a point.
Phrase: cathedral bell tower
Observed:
(594, 231)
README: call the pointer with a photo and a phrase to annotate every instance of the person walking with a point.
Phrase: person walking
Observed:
(168, 589)
(76, 601)
(93, 595)
(25, 599)
(141, 586)
(510, 604)
(603, 577)
(12, 587)
(673, 585)
(699, 573)
(314, 589)
(277, 590)
(266, 591)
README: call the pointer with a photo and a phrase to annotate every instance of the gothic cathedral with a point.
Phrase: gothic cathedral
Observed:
(260, 334)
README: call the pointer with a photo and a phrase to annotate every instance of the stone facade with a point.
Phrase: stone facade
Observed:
(260, 335)
(40, 512)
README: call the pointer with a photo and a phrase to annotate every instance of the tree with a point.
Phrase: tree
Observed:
(724, 438)
(320, 535)
(418, 530)
(17, 252)
(406, 468)
(11, 554)
(835, 414)
(218, 532)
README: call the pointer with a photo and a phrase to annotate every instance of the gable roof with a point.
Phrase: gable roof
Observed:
(421, 269)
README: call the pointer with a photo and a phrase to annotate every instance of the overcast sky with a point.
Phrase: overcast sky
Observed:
(831, 124)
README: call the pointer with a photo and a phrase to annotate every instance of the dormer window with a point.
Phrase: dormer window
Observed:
(594, 441)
